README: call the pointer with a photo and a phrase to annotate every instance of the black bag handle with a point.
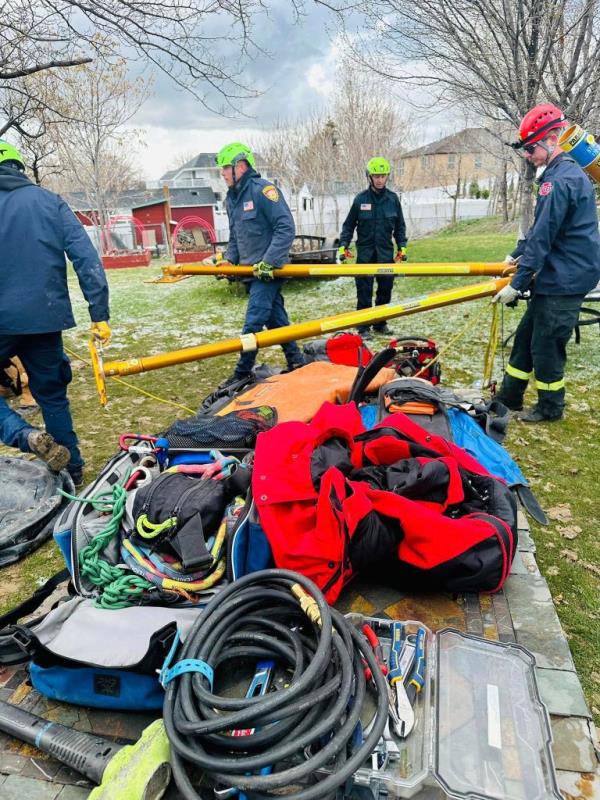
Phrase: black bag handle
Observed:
(14, 640)
(364, 378)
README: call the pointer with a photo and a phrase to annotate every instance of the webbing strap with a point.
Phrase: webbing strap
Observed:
(517, 373)
(167, 672)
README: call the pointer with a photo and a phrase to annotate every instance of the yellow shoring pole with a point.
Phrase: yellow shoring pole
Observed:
(343, 270)
(289, 333)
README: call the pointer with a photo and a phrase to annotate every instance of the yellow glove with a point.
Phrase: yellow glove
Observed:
(263, 271)
(214, 260)
(343, 254)
(101, 332)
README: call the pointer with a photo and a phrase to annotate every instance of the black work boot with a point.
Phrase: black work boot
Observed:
(383, 330)
(511, 393)
(44, 446)
(535, 415)
(233, 379)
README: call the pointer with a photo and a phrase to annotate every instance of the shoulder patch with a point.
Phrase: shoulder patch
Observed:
(545, 188)
(271, 193)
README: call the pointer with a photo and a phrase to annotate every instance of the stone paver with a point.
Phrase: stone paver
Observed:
(535, 621)
(16, 787)
(579, 786)
(572, 746)
(561, 693)
(74, 793)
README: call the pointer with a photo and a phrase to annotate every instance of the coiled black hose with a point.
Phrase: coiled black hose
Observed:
(303, 728)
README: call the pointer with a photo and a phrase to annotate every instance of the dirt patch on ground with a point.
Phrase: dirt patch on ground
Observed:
(12, 581)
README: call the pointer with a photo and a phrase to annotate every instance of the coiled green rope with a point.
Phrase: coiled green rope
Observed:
(119, 588)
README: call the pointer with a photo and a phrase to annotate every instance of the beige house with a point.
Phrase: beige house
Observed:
(462, 158)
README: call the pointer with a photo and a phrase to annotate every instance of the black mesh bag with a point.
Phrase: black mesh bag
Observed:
(238, 429)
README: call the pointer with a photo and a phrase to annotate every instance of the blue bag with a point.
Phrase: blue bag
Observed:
(110, 658)
(468, 434)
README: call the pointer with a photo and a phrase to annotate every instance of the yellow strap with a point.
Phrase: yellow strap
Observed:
(517, 373)
(550, 387)
(475, 317)
(132, 386)
(490, 350)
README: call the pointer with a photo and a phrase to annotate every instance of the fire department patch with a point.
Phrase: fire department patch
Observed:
(271, 193)
(545, 188)
(248, 206)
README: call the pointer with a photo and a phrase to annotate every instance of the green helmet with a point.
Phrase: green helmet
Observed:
(9, 152)
(378, 166)
(229, 155)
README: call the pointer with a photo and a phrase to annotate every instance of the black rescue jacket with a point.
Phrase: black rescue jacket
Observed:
(377, 217)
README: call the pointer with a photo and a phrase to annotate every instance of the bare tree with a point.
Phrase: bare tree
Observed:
(329, 150)
(280, 146)
(496, 57)
(369, 122)
(95, 149)
(182, 38)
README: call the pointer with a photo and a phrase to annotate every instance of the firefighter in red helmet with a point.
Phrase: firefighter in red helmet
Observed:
(558, 261)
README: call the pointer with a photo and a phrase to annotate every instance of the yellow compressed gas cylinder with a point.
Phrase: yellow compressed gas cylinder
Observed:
(584, 148)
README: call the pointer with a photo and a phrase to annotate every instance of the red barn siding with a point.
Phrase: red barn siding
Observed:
(155, 215)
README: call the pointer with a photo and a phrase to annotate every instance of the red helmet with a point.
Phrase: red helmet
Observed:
(537, 122)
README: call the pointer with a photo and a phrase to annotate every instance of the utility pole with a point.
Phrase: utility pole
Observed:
(167, 209)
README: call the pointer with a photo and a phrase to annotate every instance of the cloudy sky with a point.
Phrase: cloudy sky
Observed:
(296, 77)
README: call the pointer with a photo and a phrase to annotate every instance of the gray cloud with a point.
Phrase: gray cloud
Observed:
(282, 77)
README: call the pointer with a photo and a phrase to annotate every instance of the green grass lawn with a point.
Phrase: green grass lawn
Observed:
(560, 459)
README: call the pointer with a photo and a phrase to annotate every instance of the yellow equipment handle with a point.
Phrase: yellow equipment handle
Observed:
(290, 333)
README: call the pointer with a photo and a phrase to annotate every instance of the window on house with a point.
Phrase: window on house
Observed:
(478, 162)
(425, 162)
(400, 169)
(307, 204)
(451, 160)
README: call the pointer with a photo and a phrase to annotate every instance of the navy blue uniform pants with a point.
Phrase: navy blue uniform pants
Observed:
(49, 374)
(364, 294)
(266, 310)
(540, 349)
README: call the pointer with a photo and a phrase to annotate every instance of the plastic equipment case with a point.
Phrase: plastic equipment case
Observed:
(481, 731)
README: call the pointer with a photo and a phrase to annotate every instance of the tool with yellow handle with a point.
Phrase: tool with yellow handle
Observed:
(289, 333)
(174, 272)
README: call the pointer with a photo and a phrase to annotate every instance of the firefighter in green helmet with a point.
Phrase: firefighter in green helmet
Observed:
(376, 215)
(261, 232)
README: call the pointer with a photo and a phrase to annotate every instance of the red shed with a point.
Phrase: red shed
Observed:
(197, 202)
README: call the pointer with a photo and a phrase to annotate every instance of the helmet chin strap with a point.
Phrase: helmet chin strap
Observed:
(548, 150)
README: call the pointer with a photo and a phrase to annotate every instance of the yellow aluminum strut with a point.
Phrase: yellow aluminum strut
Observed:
(289, 333)
(341, 270)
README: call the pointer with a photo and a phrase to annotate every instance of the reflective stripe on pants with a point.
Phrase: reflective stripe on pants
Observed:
(517, 373)
(550, 387)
